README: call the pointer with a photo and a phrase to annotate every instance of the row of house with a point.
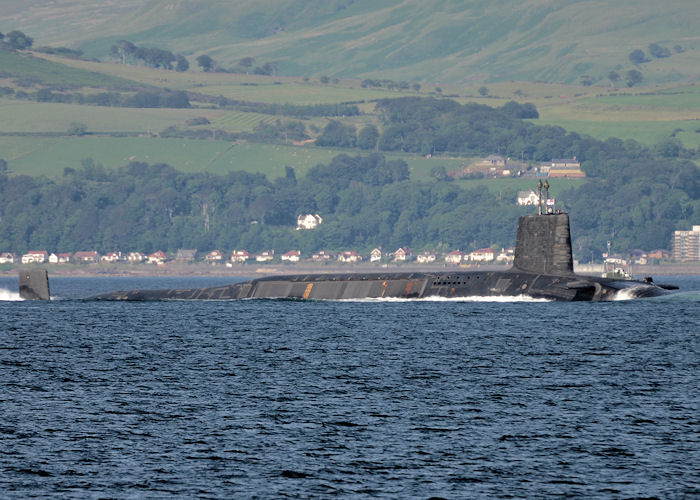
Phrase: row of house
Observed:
(402, 254)
(686, 247)
(91, 257)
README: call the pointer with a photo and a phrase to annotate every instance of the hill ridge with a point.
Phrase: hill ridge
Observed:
(447, 41)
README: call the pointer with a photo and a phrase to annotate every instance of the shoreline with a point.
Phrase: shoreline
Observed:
(258, 270)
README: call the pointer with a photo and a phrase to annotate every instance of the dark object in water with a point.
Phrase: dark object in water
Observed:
(34, 284)
(543, 268)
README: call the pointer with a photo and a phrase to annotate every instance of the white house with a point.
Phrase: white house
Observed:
(214, 256)
(59, 258)
(239, 256)
(426, 257)
(349, 257)
(506, 255)
(112, 257)
(35, 257)
(402, 254)
(322, 256)
(527, 198)
(454, 257)
(482, 255)
(157, 258)
(375, 255)
(265, 256)
(291, 256)
(7, 258)
(308, 221)
(65, 258)
(135, 257)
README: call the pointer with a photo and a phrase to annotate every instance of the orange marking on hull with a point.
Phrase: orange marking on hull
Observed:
(409, 287)
(307, 292)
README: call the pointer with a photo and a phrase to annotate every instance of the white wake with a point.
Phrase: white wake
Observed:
(631, 293)
(7, 295)
(487, 298)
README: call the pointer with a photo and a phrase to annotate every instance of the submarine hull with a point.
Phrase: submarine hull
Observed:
(512, 283)
(542, 268)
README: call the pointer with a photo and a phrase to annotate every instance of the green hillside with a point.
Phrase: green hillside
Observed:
(648, 115)
(40, 71)
(428, 41)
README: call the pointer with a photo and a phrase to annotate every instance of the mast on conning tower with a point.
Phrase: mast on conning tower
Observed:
(539, 197)
(546, 197)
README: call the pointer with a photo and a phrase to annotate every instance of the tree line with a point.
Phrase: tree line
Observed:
(427, 125)
(128, 53)
(365, 201)
(142, 98)
(164, 98)
(16, 40)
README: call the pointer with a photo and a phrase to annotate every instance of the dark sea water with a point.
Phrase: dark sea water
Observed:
(395, 399)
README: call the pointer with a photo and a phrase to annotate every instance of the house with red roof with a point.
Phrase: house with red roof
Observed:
(349, 257)
(112, 257)
(454, 257)
(239, 256)
(35, 257)
(214, 256)
(158, 258)
(291, 256)
(482, 255)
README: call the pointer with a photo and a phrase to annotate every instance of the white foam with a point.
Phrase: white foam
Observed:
(435, 298)
(630, 293)
(624, 294)
(8, 296)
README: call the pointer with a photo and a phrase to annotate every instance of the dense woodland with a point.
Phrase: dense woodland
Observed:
(634, 196)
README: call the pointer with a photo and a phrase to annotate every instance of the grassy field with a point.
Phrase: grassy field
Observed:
(50, 155)
(239, 121)
(647, 132)
(27, 116)
(48, 71)
(297, 93)
(646, 114)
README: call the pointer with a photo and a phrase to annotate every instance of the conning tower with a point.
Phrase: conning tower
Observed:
(34, 284)
(544, 244)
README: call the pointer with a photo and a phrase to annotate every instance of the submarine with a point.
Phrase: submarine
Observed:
(542, 268)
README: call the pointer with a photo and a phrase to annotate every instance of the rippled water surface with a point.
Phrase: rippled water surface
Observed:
(281, 398)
